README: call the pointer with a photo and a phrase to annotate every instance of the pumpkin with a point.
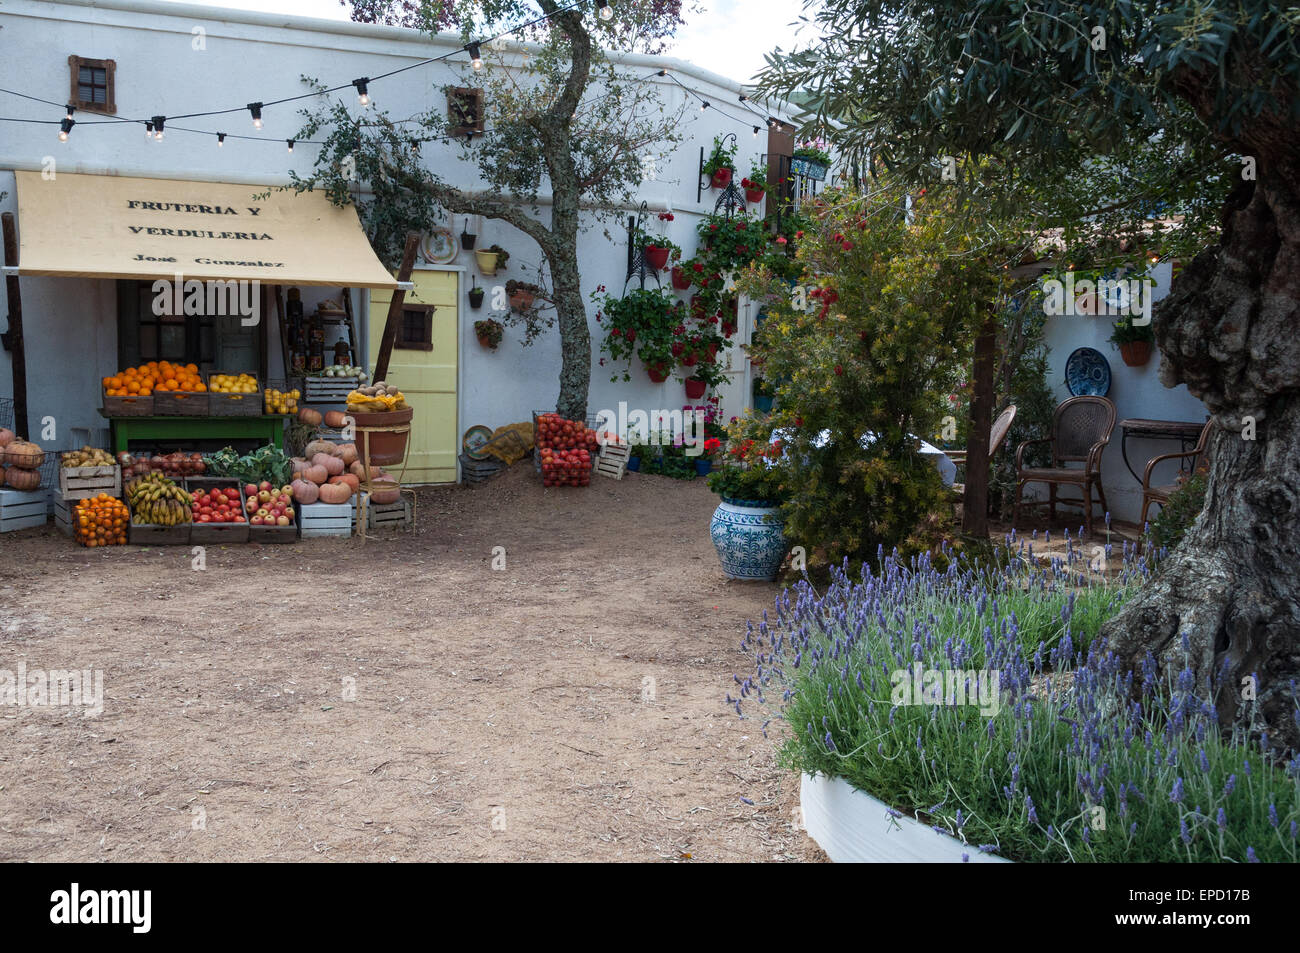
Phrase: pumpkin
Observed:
(358, 470)
(21, 479)
(347, 478)
(386, 495)
(310, 417)
(6, 437)
(318, 446)
(315, 474)
(332, 464)
(305, 491)
(335, 493)
(299, 465)
(336, 419)
(21, 453)
(349, 453)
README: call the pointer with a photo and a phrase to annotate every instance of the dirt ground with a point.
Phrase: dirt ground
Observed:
(569, 707)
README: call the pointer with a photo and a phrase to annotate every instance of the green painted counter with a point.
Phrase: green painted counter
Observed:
(265, 429)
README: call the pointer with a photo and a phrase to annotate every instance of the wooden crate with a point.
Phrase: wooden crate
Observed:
(328, 390)
(233, 405)
(21, 510)
(397, 515)
(209, 534)
(179, 403)
(327, 519)
(82, 483)
(149, 534)
(63, 511)
(128, 406)
(612, 461)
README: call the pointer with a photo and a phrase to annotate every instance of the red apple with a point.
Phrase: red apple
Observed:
(256, 521)
(282, 521)
(250, 489)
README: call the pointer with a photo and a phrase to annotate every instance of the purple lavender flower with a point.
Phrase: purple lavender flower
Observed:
(1029, 807)
(1223, 819)
(1250, 856)
(1176, 795)
(1272, 814)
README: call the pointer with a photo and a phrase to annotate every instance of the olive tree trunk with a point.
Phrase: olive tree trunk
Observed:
(1231, 590)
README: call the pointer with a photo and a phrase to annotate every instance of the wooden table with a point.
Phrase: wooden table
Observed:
(1186, 432)
(266, 428)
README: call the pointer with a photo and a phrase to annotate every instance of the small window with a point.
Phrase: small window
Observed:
(415, 333)
(92, 84)
(464, 111)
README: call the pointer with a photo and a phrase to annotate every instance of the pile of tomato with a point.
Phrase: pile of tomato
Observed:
(101, 521)
(218, 505)
(566, 448)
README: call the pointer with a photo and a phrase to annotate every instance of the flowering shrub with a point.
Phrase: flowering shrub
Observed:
(1072, 764)
(749, 470)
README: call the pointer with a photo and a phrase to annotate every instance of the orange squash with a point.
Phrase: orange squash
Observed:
(26, 480)
(347, 478)
(335, 493)
(25, 455)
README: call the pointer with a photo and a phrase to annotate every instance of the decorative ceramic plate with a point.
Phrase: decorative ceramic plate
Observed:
(473, 441)
(439, 247)
(1087, 372)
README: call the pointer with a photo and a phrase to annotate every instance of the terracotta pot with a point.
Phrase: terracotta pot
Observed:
(1135, 353)
(521, 300)
(753, 196)
(681, 280)
(656, 257)
(695, 388)
(721, 179)
(690, 359)
(386, 447)
(486, 342)
(658, 372)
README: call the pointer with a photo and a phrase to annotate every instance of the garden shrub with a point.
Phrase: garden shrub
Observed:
(1176, 516)
(1073, 765)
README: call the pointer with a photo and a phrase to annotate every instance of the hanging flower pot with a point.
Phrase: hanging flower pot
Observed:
(754, 196)
(697, 307)
(658, 371)
(656, 257)
(1135, 353)
(467, 241)
(722, 178)
(728, 329)
(487, 261)
(521, 300)
(690, 359)
(476, 298)
(681, 281)
(695, 388)
(713, 350)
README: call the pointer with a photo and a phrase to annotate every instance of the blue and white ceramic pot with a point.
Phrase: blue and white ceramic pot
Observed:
(748, 537)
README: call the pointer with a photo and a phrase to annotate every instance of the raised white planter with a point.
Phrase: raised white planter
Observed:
(853, 827)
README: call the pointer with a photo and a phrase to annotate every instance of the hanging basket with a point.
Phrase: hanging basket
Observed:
(487, 261)
(696, 388)
(476, 299)
(754, 196)
(681, 280)
(1135, 353)
(658, 372)
(467, 241)
(521, 300)
(656, 257)
(721, 179)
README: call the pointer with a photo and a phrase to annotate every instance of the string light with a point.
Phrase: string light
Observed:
(755, 132)
(704, 105)
(662, 72)
(221, 139)
(71, 109)
(255, 109)
(148, 131)
(475, 56)
(604, 10)
(290, 143)
(65, 127)
(363, 95)
(158, 123)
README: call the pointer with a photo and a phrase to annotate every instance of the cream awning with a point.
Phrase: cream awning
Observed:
(103, 226)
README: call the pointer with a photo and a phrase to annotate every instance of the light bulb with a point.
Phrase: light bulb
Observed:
(71, 109)
(704, 105)
(255, 110)
(475, 55)
(221, 139)
(65, 127)
(148, 131)
(604, 10)
(363, 93)
(755, 132)
(290, 143)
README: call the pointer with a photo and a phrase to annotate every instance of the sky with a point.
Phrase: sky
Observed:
(728, 37)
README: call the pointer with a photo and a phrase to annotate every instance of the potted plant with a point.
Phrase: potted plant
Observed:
(489, 331)
(682, 272)
(696, 388)
(491, 258)
(476, 296)
(720, 164)
(658, 250)
(763, 395)
(522, 294)
(642, 324)
(811, 160)
(704, 462)
(746, 528)
(467, 238)
(1134, 341)
(755, 184)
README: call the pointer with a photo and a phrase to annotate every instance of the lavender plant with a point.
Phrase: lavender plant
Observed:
(1078, 762)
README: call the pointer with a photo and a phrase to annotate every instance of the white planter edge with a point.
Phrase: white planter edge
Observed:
(855, 828)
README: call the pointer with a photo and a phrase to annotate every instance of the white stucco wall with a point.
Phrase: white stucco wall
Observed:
(1136, 391)
(259, 57)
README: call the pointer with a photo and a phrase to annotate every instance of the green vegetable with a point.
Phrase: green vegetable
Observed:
(267, 463)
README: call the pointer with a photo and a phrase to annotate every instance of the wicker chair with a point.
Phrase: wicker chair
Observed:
(997, 435)
(1160, 494)
(1081, 428)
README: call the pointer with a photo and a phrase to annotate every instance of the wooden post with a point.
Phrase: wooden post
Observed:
(975, 504)
(13, 337)
(395, 308)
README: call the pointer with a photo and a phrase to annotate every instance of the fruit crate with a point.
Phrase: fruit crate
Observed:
(181, 403)
(328, 390)
(399, 515)
(285, 387)
(127, 406)
(327, 519)
(151, 534)
(21, 509)
(233, 405)
(82, 483)
(217, 533)
(63, 510)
